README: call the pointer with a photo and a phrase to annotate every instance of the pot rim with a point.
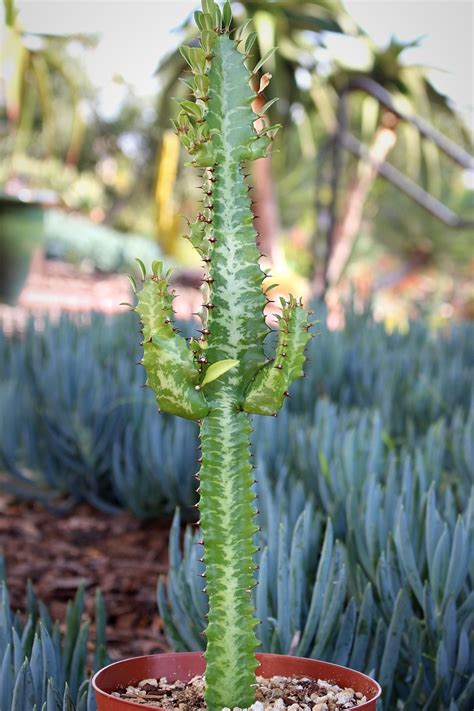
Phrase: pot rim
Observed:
(330, 665)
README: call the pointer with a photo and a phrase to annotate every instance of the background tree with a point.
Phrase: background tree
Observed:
(411, 89)
(42, 89)
(294, 28)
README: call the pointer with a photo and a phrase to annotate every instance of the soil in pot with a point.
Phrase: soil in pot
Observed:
(276, 693)
(118, 686)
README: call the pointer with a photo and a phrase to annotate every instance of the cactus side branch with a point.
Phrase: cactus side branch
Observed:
(171, 370)
(268, 390)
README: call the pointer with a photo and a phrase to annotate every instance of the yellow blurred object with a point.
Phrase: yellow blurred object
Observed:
(167, 221)
(28, 83)
(397, 321)
(286, 281)
(13, 58)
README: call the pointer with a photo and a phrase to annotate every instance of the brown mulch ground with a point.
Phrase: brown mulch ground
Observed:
(118, 553)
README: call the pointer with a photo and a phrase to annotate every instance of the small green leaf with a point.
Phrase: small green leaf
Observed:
(194, 345)
(207, 40)
(207, 23)
(142, 266)
(132, 282)
(156, 268)
(227, 14)
(264, 59)
(266, 106)
(202, 84)
(183, 121)
(250, 41)
(195, 57)
(185, 52)
(191, 108)
(274, 127)
(243, 28)
(198, 15)
(209, 6)
(217, 17)
(217, 369)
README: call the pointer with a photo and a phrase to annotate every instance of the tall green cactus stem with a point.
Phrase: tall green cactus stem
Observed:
(225, 375)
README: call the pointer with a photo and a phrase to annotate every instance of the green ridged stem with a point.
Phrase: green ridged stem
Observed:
(225, 376)
(227, 523)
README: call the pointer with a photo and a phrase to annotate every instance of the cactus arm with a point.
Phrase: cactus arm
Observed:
(266, 393)
(171, 370)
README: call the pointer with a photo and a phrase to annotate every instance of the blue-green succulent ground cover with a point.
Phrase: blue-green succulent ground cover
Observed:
(365, 484)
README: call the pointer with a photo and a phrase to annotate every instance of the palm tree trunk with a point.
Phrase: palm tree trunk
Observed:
(267, 219)
(265, 204)
(348, 226)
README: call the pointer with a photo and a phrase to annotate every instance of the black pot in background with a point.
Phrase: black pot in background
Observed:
(21, 233)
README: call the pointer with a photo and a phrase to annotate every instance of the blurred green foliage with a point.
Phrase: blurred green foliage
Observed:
(113, 167)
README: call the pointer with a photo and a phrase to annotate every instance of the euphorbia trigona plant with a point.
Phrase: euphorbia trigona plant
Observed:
(225, 376)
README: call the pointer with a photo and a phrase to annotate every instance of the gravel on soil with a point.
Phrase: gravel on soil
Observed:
(277, 693)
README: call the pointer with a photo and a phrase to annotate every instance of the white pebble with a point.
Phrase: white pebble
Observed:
(343, 697)
(326, 684)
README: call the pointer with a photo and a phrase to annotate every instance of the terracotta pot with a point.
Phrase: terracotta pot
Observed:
(184, 666)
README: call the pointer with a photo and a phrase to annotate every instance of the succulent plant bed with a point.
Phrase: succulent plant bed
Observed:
(76, 425)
